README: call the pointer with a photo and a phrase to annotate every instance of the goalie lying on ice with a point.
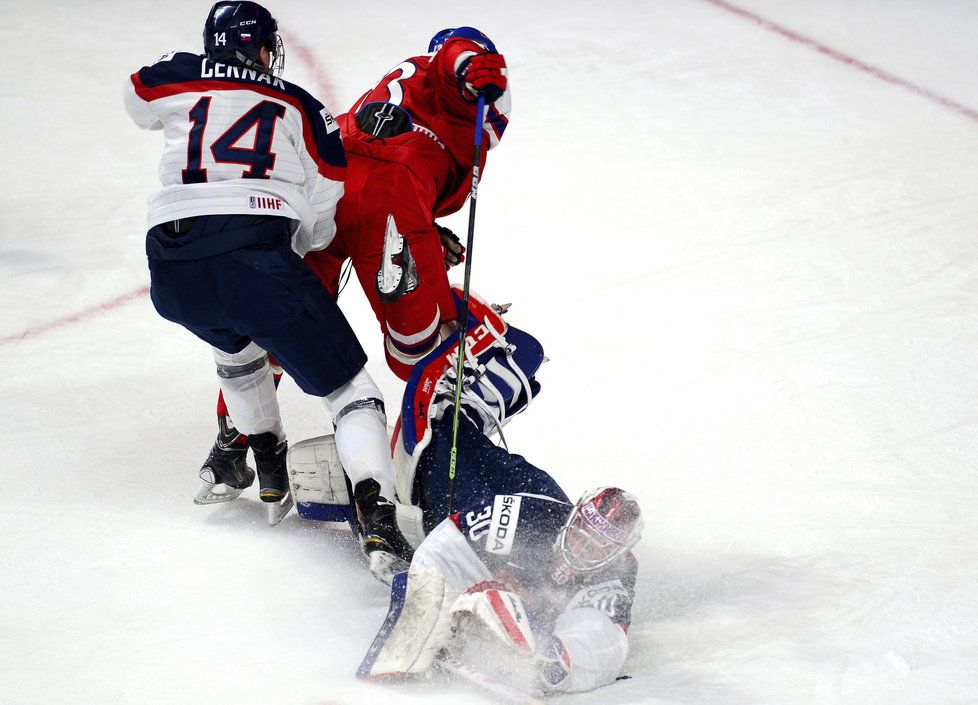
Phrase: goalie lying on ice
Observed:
(519, 584)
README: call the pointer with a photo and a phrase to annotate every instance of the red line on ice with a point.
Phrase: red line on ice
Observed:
(307, 56)
(325, 90)
(76, 317)
(848, 60)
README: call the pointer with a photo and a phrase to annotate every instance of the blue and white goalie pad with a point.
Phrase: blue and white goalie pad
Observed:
(498, 382)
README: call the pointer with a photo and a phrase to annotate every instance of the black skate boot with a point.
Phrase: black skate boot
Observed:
(386, 548)
(273, 477)
(225, 473)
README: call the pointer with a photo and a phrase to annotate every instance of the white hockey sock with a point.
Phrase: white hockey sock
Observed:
(249, 390)
(361, 441)
(361, 432)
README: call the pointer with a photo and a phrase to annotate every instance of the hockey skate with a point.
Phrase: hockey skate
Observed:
(225, 474)
(398, 274)
(386, 548)
(273, 478)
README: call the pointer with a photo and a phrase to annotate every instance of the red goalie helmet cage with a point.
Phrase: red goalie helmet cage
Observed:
(604, 524)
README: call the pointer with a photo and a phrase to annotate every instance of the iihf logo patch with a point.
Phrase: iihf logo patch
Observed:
(265, 202)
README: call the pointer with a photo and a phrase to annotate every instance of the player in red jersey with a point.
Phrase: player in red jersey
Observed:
(409, 146)
(409, 150)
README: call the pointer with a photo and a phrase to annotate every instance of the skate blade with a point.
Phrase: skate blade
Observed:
(216, 493)
(278, 510)
(385, 566)
(389, 275)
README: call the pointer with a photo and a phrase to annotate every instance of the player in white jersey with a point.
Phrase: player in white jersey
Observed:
(252, 170)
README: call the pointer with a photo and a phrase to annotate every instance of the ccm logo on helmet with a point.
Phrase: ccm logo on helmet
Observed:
(502, 528)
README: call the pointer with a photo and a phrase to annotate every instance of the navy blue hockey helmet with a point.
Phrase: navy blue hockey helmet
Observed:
(236, 32)
(464, 32)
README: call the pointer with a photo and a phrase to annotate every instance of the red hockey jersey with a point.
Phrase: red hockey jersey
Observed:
(437, 144)
(410, 145)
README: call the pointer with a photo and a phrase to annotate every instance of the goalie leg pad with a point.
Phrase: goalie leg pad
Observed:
(319, 485)
(323, 492)
(417, 626)
(499, 382)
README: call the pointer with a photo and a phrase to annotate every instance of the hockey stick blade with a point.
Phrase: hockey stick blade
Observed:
(501, 690)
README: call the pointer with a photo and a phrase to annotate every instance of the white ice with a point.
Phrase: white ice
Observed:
(753, 266)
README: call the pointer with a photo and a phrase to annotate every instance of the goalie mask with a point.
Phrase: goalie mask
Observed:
(604, 524)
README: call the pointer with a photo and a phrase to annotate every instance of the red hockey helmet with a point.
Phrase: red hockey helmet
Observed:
(604, 524)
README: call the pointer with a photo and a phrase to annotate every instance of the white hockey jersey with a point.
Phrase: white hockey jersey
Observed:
(239, 141)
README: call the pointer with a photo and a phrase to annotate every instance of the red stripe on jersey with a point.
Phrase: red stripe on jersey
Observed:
(330, 171)
(396, 436)
(509, 624)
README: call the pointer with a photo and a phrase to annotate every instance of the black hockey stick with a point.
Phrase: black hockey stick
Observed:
(463, 311)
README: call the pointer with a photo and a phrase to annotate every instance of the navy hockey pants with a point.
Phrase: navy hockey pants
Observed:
(258, 290)
(482, 470)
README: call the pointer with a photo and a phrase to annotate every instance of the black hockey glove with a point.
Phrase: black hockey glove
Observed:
(451, 246)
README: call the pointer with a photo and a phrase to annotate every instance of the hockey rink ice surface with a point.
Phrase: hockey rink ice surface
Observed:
(746, 236)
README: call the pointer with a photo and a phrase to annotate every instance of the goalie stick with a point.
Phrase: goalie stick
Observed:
(456, 668)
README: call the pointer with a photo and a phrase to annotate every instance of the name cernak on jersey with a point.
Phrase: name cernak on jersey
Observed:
(211, 69)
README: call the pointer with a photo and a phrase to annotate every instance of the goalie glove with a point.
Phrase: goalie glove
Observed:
(510, 637)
